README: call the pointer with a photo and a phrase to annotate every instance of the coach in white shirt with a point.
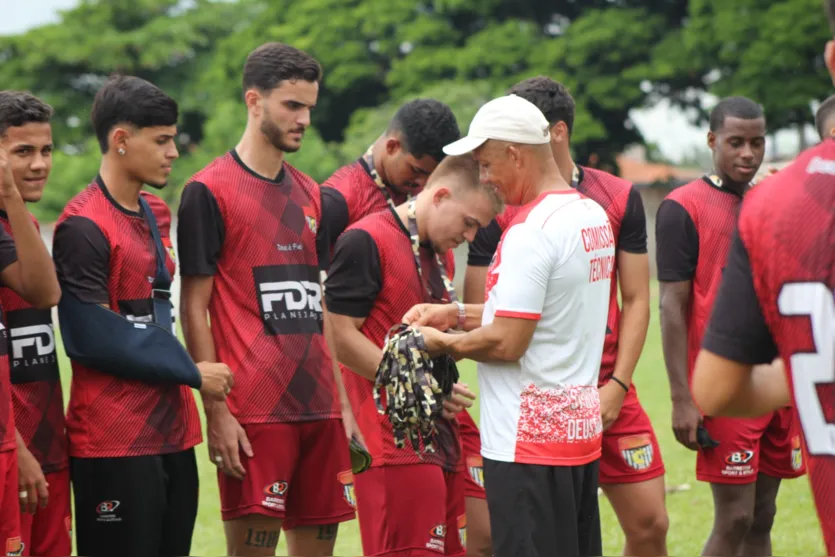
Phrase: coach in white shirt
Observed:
(538, 340)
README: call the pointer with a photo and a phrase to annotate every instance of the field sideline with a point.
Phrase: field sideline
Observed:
(796, 530)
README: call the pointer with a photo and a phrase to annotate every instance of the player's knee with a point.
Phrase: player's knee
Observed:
(763, 519)
(735, 522)
(647, 528)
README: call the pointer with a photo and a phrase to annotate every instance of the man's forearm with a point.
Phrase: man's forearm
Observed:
(485, 344)
(200, 344)
(474, 284)
(356, 352)
(674, 344)
(330, 340)
(632, 333)
(37, 270)
(474, 313)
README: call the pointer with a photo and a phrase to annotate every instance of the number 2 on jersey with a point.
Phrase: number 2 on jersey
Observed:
(810, 369)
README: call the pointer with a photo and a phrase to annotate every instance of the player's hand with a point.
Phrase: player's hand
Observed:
(462, 397)
(351, 427)
(439, 316)
(611, 401)
(31, 481)
(435, 340)
(226, 441)
(217, 380)
(686, 420)
(7, 185)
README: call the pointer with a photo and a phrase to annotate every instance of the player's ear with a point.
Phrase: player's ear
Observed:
(393, 145)
(515, 155)
(119, 139)
(829, 58)
(559, 132)
(711, 140)
(252, 98)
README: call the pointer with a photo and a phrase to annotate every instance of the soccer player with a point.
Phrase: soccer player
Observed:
(132, 462)
(825, 118)
(26, 134)
(251, 243)
(538, 340)
(374, 279)
(631, 468)
(26, 269)
(693, 231)
(776, 299)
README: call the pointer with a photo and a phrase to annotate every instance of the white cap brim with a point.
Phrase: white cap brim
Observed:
(464, 145)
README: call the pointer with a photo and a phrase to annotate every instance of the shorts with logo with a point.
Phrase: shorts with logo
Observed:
(411, 510)
(135, 505)
(48, 532)
(9, 505)
(298, 474)
(770, 444)
(630, 449)
(474, 466)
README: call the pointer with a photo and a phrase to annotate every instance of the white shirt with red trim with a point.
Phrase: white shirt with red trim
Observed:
(553, 265)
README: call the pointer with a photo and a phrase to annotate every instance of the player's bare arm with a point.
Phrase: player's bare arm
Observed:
(633, 277)
(30, 479)
(224, 432)
(674, 298)
(504, 340)
(474, 281)
(32, 276)
(444, 316)
(354, 349)
(722, 387)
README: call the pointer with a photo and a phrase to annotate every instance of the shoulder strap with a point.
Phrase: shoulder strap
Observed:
(161, 287)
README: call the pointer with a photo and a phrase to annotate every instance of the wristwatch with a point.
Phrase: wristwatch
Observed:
(462, 316)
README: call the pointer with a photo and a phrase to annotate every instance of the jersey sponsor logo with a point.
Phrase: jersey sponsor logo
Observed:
(346, 478)
(107, 511)
(141, 311)
(820, 165)
(274, 495)
(475, 467)
(437, 535)
(33, 356)
(289, 299)
(797, 454)
(738, 464)
(14, 546)
(462, 529)
(637, 451)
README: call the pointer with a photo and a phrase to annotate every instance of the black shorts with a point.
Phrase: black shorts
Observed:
(139, 505)
(543, 511)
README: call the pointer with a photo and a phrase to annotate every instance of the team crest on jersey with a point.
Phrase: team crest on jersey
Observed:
(475, 467)
(797, 454)
(637, 451)
(346, 478)
(14, 546)
(462, 529)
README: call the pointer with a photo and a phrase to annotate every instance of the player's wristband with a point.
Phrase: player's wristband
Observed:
(621, 383)
(462, 315)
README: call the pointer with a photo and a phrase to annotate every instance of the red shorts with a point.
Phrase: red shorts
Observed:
(48, 532)
(474, 466)
(630, 449)
(411, 510)
(297, 475)
(9, 505)
(769, 444)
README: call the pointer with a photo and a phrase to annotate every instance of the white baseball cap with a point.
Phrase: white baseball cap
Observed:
(509, 118)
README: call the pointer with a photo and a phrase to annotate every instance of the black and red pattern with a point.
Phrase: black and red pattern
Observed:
(37, 396)
(694, 227)
(8, 255)
(263, 241)
(373, 276)
(778, 297)
(625, 210)
(104, 254)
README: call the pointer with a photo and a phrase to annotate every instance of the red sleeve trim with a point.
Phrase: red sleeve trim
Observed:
(519, 315)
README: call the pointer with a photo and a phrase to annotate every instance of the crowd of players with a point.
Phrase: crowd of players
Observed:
(289, 290)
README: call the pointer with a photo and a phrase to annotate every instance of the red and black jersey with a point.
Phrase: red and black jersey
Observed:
(104, 254)
(36, 383)
(778, 297)
(373, 276)
(263, 240)
(351, 194)
(8, 255)
(693, 230)
(625, 210)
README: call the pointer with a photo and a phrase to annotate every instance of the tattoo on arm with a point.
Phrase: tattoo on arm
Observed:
(262, 538)
(327, 532)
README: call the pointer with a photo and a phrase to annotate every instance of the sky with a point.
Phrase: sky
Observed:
(662, 125)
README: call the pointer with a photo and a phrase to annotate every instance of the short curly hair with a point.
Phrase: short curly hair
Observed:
(424, 127)
(18, 108)
(550, 97)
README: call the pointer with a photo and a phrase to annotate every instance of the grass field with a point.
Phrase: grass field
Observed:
(796, 530)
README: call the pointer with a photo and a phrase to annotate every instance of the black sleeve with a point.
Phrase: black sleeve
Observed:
(355, 277)
(334, 212)
(484, 245)
(200, 231)
(676, 243)
(737, 329)
(323, 237)
(633, 228)
(8, 252)
(82, 259)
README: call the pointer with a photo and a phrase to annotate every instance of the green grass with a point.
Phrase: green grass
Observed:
(796, 530)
